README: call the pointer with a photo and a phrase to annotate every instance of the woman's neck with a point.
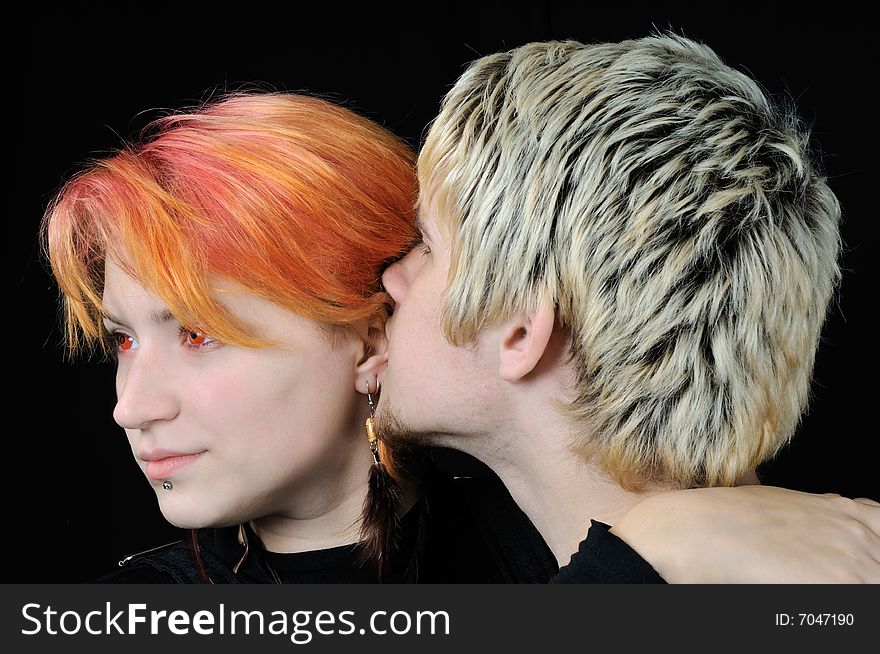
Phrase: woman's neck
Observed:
(328, 514)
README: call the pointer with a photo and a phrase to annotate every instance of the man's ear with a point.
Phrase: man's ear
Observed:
(524, 340)
(374, 357)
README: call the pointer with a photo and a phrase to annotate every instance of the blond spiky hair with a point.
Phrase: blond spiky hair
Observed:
(672, 213)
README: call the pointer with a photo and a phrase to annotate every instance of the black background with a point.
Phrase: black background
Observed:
(77, 81)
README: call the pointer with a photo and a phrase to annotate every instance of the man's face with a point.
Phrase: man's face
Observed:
(429, 386)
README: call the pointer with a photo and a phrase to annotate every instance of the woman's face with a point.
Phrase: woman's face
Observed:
(240, 433)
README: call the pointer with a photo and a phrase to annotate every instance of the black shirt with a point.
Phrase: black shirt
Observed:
(223, 560)
(603, 558)
(462, 530)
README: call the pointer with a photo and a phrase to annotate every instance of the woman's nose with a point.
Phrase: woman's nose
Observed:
(144, 392)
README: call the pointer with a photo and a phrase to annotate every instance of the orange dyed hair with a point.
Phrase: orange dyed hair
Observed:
(297, 200)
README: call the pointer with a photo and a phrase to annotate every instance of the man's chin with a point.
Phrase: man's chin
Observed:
(401, 437)
(394, 432)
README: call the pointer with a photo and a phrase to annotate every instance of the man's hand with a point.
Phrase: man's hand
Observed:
(756, 534)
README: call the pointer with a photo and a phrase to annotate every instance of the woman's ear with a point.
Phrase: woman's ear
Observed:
(524, 340)
(374, 357)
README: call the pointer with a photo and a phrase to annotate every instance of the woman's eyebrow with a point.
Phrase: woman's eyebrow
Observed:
(106, 315)
(162, 316)
(159, 316)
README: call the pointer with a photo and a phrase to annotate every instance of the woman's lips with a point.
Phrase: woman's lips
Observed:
(163, 468)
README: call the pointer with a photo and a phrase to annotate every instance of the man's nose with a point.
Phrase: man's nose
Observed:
(394, 280)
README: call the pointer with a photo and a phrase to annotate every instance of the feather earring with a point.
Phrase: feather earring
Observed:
(380, 520)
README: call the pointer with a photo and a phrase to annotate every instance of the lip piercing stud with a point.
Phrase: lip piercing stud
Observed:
(167, 485)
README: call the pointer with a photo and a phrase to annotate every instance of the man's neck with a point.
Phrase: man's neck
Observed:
(556, 488)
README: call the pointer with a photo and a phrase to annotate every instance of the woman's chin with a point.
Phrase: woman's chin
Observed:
(184, 514)
(191, 518)
(185, 521)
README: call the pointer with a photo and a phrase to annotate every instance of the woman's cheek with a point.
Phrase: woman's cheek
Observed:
(224, 394)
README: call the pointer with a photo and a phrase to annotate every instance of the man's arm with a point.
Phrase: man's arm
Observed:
(756, 534)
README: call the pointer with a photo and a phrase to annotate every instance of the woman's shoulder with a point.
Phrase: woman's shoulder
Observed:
(166, 564)
(174, 563)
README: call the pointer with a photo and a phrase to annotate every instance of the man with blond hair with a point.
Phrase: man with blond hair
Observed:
(628, 254)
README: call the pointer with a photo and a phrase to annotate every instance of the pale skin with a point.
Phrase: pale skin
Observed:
(495, 399)
(278, 432)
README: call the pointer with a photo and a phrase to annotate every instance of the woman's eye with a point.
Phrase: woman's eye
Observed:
(123, 342)
(195, 339)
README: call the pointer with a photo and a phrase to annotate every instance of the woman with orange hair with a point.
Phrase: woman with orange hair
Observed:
(230, 263)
